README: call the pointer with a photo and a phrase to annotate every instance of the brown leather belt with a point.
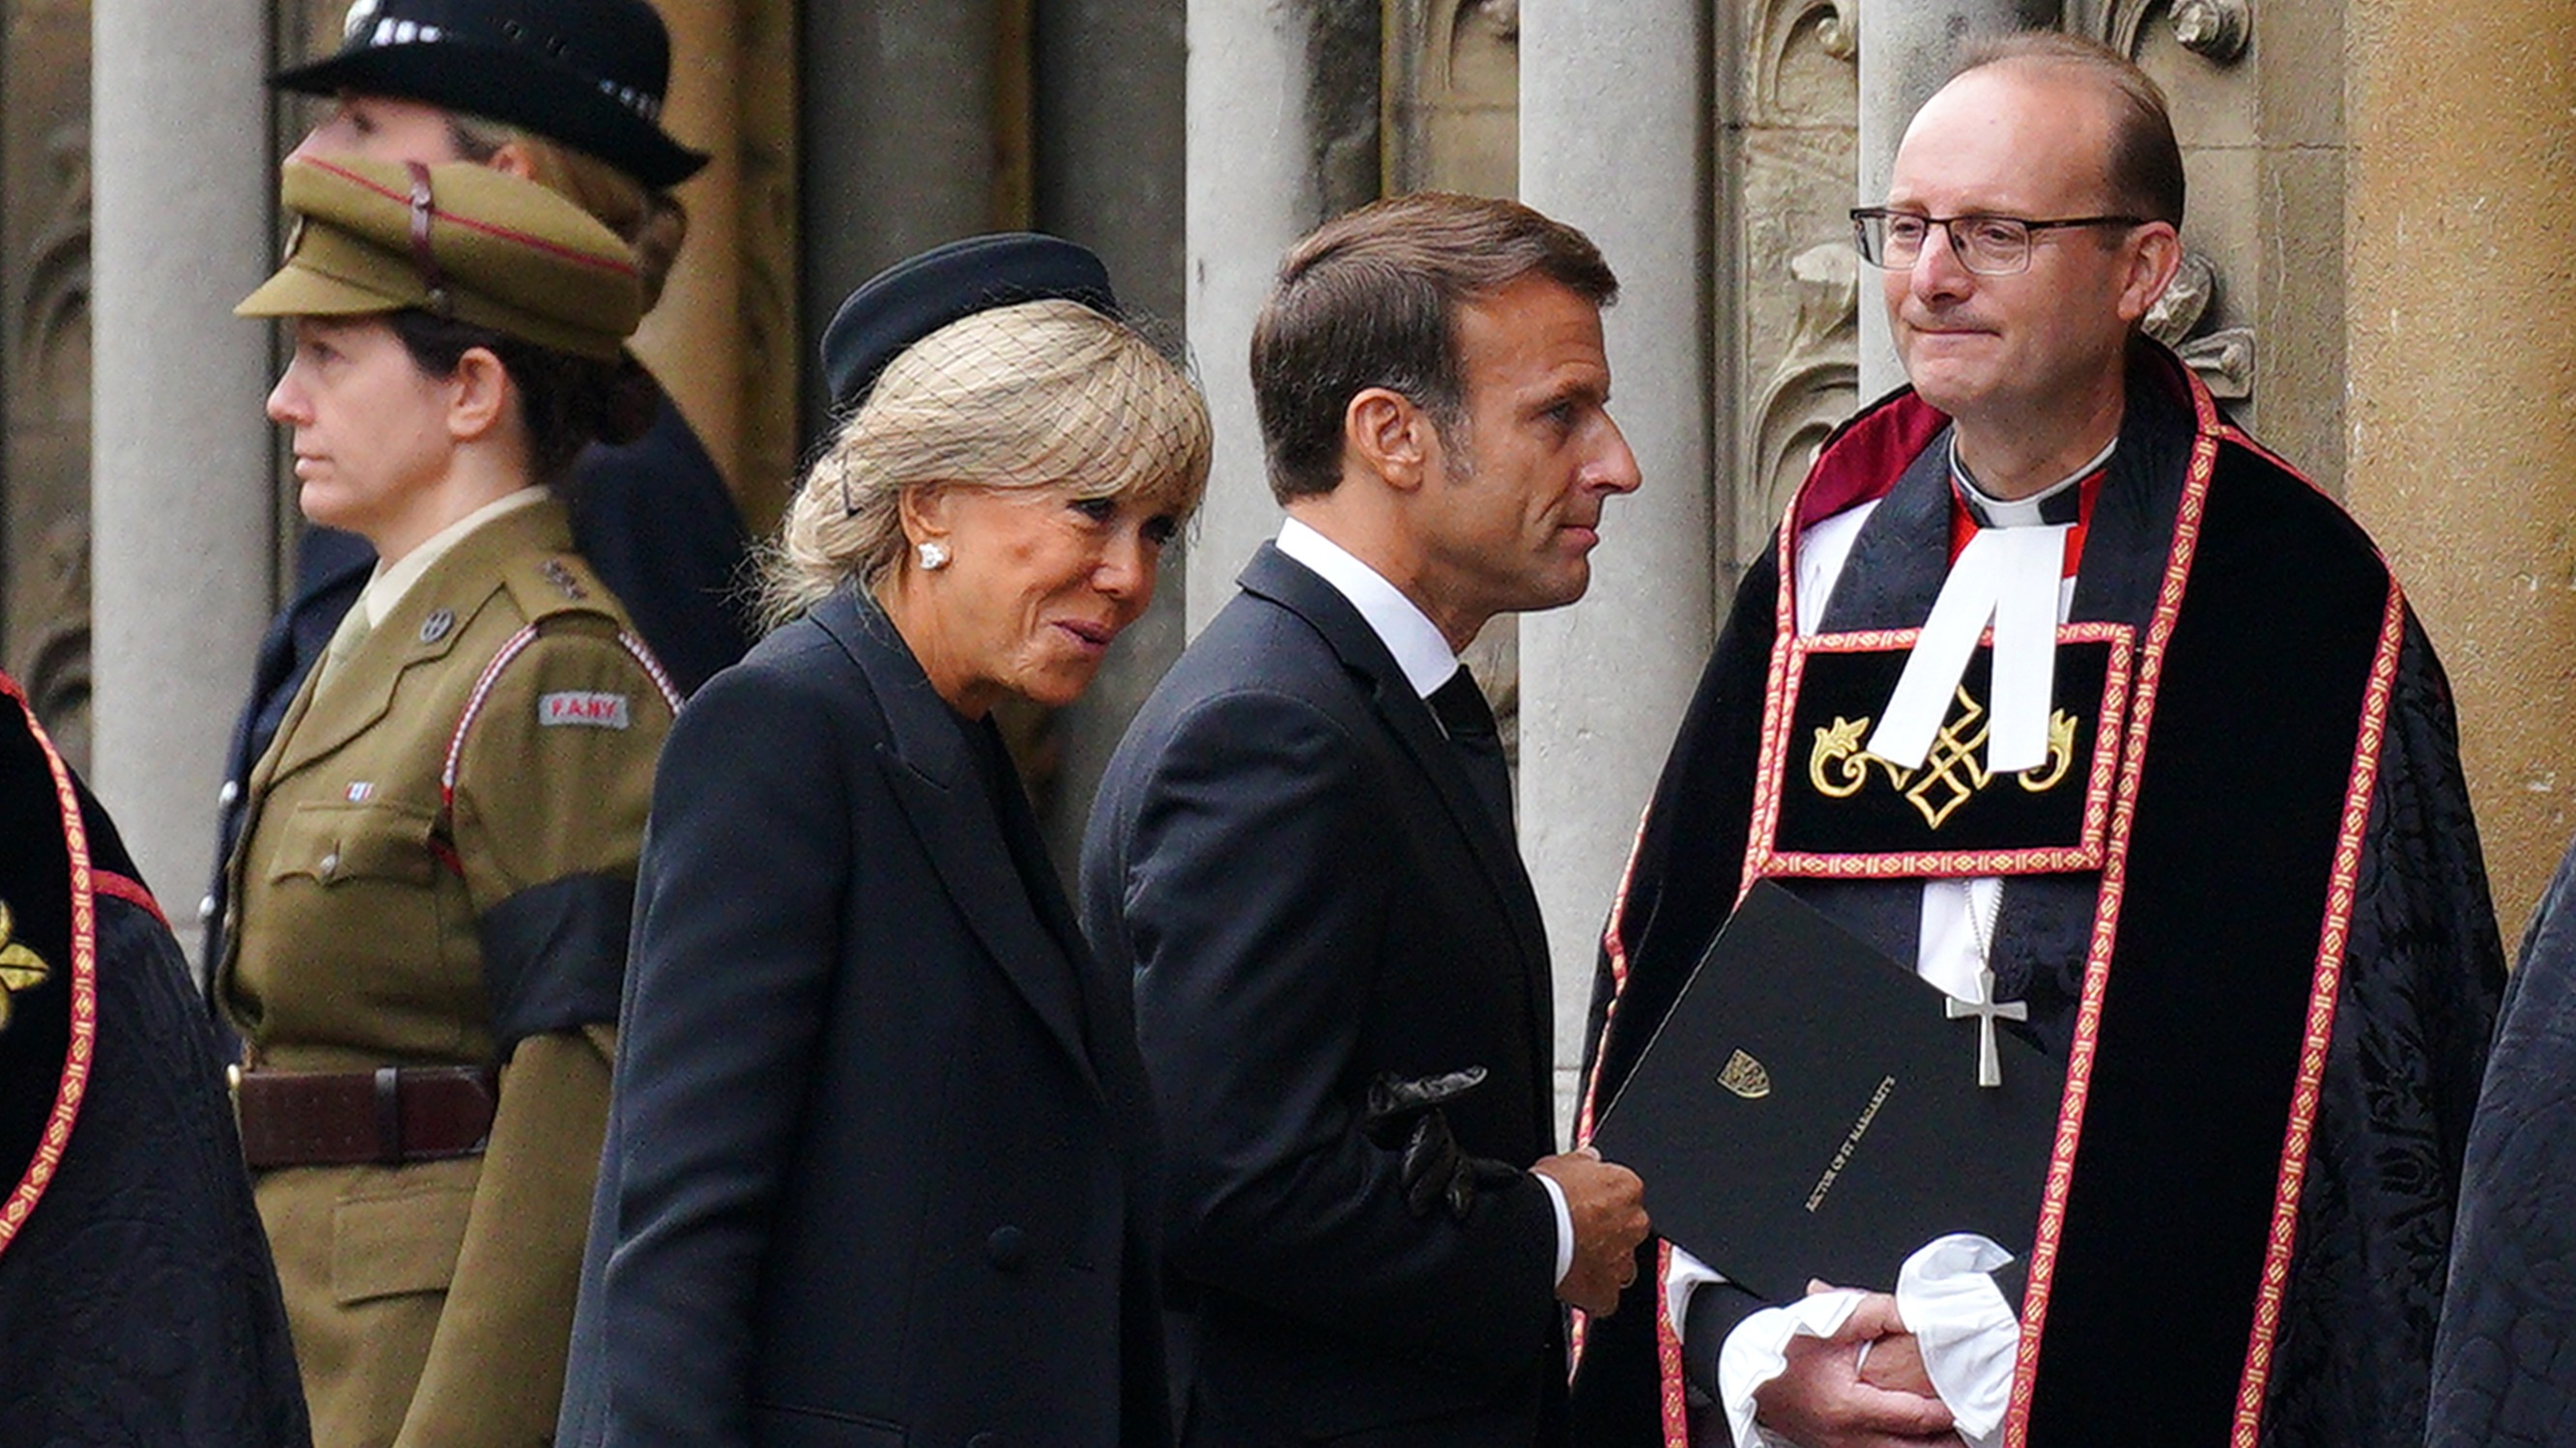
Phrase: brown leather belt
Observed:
(388, 1116)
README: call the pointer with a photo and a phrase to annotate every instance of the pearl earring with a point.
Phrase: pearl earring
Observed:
(934, 556)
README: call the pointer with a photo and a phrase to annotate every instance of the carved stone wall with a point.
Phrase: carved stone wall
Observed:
(45, 360)
(1452, 96)
(1788, 282)
(2260, 310)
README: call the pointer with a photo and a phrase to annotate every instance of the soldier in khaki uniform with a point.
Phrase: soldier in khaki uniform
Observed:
(431, 891)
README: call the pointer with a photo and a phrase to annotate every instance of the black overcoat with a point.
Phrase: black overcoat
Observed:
(1311, 895)
(879, 1143)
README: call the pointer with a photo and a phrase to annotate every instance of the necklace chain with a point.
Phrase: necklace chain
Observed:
(1981, 924)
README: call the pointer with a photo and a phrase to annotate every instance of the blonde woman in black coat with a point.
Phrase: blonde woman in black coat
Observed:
(879, 1161)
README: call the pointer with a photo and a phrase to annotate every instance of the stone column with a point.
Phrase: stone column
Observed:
(183, 504)
(1604, 681)
(1111, 170)
(2461, 369)
(899, 145)
(1282, 111)
(1907, 49)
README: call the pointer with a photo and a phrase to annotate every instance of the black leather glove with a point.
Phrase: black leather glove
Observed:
(1404, 1116)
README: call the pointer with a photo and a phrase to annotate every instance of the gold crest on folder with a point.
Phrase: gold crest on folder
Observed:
(1745, 1077)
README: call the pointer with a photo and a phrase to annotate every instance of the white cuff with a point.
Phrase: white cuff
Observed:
(1967, 1331)
(1758, 1351)
(1686, 1275)
(1564, 1226)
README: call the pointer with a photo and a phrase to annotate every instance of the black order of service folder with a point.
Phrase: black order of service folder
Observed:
(1808, 1110)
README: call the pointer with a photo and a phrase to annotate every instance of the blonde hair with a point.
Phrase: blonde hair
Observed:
(654, 223)
(1015, 397)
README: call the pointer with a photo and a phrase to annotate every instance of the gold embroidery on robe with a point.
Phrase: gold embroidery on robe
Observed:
(20, 968)
(1951, 774)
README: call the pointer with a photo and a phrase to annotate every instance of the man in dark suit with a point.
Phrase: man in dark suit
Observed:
(1304, 851)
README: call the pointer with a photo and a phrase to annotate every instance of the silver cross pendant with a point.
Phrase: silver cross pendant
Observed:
(1990, 1061)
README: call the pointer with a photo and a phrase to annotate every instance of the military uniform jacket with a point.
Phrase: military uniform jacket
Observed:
(436, 868)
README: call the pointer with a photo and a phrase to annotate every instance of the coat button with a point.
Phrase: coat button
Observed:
(1008, 1249)
(985, 1440)
(330, 864)
(206, 911)
(229, 795)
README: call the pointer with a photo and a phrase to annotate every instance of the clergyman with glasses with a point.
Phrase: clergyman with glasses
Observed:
(2255, 937)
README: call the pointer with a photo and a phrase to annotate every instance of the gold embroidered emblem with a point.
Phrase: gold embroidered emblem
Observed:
(1745, 1077)
(20, 968)
(1951, 775)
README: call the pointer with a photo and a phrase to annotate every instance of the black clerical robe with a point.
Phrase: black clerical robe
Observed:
(137, 1302)
(2259, 942)
(2504, 1369)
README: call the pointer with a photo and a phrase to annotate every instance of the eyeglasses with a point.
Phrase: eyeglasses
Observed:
(1990, 246)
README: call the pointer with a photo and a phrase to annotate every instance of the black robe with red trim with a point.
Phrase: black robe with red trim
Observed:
(2271, 989)
(137, 1303)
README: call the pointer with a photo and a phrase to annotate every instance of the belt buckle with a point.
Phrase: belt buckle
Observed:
(388, 1103)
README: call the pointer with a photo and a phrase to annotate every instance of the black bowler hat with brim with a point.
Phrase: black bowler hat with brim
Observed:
(588, 73)
(916, 297)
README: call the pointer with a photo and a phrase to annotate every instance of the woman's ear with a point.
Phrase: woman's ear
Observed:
(478, 395)
(925, 514)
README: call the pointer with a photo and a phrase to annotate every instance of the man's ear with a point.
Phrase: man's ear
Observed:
(2155, 254)
(1388, 434)
(479, 395)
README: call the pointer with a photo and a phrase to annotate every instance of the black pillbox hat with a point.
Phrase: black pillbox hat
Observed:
(916, 297)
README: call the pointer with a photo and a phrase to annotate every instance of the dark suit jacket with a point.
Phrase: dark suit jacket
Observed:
(653, 518)
(1299, 872)
(876, 1167)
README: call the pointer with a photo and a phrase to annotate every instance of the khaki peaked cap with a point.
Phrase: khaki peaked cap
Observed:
(483, 246)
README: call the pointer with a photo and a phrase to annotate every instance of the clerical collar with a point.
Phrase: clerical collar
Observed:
(2059, 502)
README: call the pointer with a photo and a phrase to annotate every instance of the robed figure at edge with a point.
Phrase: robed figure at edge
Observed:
(2266, 960)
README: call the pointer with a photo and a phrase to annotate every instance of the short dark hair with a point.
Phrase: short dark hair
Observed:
(2145, 164)
(1370, 300)
(568, 402)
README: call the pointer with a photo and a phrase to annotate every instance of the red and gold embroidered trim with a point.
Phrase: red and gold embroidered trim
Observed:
(2323, 994)
(1614, 948)
(1765, 862)
(2106, 915)
(1668, 1358)
(83, 1047)
(129, 890)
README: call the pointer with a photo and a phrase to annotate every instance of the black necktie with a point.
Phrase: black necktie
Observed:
(1469, 721)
